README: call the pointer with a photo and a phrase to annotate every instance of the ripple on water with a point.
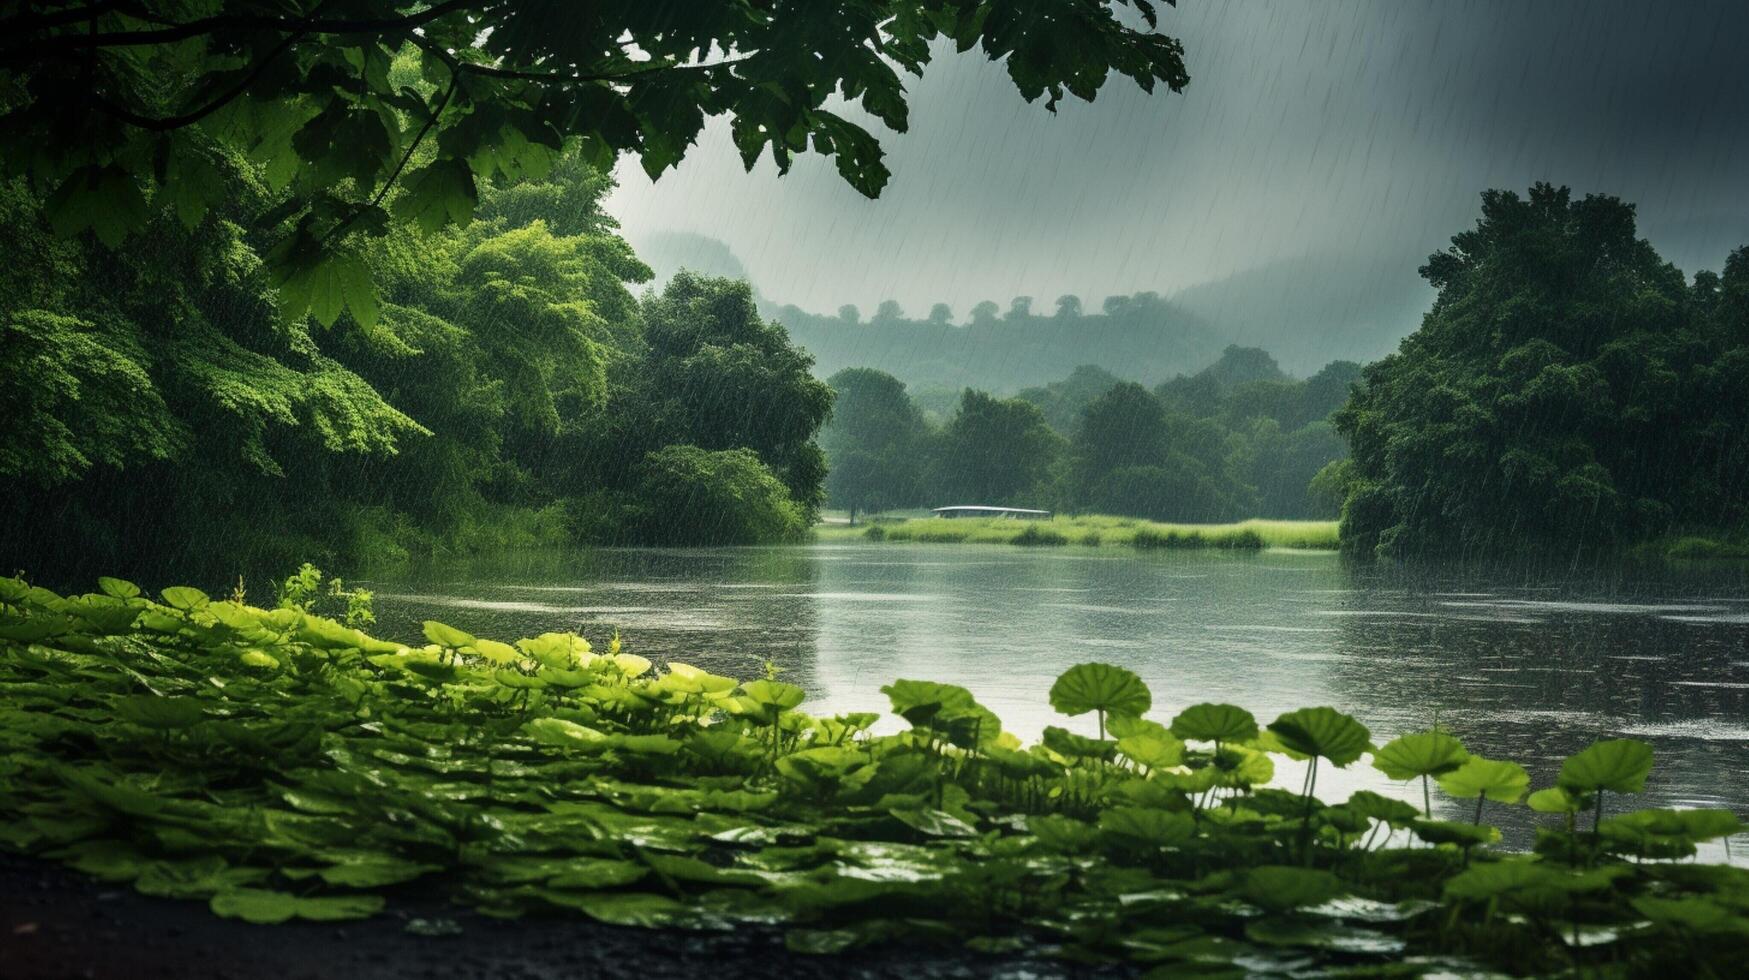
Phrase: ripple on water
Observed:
(860, 596)
(497, 605)
(1090, 607)
(1698, 729)
(1722, 618)
(1223, 628)
(1600, 608)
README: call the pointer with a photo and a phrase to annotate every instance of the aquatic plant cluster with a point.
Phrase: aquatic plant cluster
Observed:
(280, 765)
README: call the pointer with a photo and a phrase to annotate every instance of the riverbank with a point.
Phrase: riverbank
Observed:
(1092, 530)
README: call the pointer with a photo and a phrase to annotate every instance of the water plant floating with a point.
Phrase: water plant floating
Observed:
(279, 765)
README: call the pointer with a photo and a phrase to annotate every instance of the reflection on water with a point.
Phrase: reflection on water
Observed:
(1524, 666)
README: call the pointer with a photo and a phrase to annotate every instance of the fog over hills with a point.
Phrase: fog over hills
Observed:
(1307, 311)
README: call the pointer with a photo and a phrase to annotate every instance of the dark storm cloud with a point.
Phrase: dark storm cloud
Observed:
(1349, 138)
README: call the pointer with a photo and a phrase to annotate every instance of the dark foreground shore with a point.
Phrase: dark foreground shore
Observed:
(59, 924)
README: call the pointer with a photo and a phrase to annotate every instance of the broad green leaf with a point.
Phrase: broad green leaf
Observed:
(1279, 888)
(1214, 723)
(1373, 806)
(1503, 782)
(1451, 832)
(152, 711)
(934, 823)
(1147, 825)
(773, 694)
(1067, 743)
(1152, 751)
(1555, 800)
(185, 598)
(119, 588)
(1420, 754)
(264, 907)
(1322, 732)
(568, 734)
(106, 200)
(597, 873)
(1100, 687)
(1619, 765)
(496, 652)
(447, 636)
(440, 193)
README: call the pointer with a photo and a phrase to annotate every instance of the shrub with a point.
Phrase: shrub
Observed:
(688, 495)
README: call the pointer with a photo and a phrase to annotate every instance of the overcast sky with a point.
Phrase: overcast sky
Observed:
(1361, 130)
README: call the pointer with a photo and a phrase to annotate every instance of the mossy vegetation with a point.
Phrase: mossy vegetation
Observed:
(1095, 530)
(279, 765)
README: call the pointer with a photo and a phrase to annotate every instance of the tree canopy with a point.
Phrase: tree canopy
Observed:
(1568, 390)
(368, 114)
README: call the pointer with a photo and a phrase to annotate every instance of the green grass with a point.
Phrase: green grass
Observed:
(1095, 530)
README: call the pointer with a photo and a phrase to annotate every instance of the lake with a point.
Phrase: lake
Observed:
(1522, 665)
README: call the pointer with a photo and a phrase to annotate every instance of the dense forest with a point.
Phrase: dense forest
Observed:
(1569, 393)
(510, 391)
(1237, 439)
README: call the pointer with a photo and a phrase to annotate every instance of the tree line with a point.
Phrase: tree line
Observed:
(1237, 439)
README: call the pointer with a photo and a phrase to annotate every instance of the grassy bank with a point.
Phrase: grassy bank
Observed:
(1093, 530)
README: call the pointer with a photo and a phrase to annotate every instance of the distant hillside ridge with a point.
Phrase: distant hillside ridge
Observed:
(1306, 311)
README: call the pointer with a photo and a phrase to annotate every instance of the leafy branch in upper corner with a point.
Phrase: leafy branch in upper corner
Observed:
(105, 107)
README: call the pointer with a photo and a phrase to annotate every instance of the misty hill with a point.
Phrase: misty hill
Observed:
(1313, 309)
(667, 252)
(1144, 336)
(1306, 311)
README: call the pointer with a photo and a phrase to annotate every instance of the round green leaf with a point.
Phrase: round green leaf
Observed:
(1502, 782)
(1147, 825)
(1555, 800)
(1215, 723)
(1322, 732)
(119, 588)
(1152, 750)
(1420, 754)
(1279, 888)
(1619, 765)
(185, 597)
(1100, 687)
(447, 636)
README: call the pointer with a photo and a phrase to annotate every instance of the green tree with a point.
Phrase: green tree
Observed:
(688, 495)
(715, 375)
(997, 451)
(1124, 427)
(1568, 391)
(874, 443)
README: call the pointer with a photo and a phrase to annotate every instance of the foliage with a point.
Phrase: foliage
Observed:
(690, 495)
(278, 766)
(507, 395)
(874, 443)
(1568, 391)
(1212, 447)
(392, 113)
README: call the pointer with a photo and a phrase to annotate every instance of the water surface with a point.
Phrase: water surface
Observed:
(1524, 665)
